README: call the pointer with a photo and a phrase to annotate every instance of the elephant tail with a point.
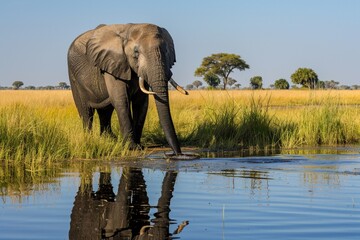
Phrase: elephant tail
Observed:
(102, 104)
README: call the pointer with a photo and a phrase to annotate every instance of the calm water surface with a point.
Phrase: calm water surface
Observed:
(299, 196)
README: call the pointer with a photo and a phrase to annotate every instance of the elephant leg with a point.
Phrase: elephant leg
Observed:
(139, 108)
(105, 120)
(85, 111)
(119, 97)
(88, 117)
(122, 109)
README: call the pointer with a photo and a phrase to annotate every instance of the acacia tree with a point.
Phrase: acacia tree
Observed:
(222, 65)
(17, 84)
(281, 84)
(63, 85)
(231, 81)
(306, 77)
(212, 80)
(256, 82)
(197, 83)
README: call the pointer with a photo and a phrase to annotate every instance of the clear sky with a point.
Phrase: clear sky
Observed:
(275, 37)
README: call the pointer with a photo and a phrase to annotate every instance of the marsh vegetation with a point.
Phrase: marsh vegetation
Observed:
(42, 126)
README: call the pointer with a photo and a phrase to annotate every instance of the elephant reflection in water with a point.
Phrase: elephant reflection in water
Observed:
(102, 215)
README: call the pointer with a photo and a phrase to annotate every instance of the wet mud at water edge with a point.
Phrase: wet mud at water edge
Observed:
(294, 195)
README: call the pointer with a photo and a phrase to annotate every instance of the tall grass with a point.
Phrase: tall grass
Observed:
(328, 122)
(232, 126)
(26, 136)
(44, 126)
(322, 126)
(260, 121)
(39, 132)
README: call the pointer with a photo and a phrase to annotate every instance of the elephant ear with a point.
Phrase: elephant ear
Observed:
(106, 51)
(170, 49)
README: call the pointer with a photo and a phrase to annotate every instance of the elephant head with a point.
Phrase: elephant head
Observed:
(142, 52)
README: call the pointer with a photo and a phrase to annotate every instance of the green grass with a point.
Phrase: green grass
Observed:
(49, 129)
(35, 135)
(230, 126)
(321, 125)
(25, 136)
(233, 125)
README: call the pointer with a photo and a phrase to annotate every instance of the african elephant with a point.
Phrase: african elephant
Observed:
(113, 66)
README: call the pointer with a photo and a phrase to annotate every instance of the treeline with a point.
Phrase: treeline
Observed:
(256, 83)
(216, 70)
(19, 85)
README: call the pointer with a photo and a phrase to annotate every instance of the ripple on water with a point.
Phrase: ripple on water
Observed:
(276, 197)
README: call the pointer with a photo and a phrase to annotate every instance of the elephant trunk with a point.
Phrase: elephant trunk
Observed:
(157, 77)
(160, 87)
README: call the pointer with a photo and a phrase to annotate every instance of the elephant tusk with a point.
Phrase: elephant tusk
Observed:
(177, 87)
(143, 229)
(142, 87)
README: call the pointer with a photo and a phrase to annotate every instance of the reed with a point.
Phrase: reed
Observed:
(230, 125)
(38, 129)
(27, 136)
(44, 126)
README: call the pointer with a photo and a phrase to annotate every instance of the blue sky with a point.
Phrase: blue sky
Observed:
(275, 37)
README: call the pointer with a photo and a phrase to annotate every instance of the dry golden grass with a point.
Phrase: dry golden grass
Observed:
(187, 110)
(277, 97)
(284, 104)
(43, 98)
(45, 124)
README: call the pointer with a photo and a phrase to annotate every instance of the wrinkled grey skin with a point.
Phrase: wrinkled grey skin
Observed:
(104, 68)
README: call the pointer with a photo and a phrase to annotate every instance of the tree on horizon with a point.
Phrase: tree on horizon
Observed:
(17, 84)
(305, 77)
(197, 84)
(63, 85)
(256, 82)
(281, 84)
(221, 65)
